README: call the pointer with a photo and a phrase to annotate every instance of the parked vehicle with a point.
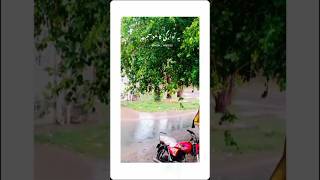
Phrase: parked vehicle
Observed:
(169, 150)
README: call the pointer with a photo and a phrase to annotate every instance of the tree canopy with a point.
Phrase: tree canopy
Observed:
(248, 39)
(160, 54)
(79, 32)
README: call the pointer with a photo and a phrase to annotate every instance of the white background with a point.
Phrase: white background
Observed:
(120, 170)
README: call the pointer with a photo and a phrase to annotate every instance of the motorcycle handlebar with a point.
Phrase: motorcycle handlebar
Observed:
(190, 131)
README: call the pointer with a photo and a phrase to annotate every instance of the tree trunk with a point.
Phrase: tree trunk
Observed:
(168, 79)
(223, 98)
(157, 94)
(221, 102)
(55, 104)
(54, 112)
(179, 92)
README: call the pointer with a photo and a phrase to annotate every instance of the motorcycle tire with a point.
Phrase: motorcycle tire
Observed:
(162, 154)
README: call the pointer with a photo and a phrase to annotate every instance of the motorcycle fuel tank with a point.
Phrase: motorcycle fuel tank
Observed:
(184, 146)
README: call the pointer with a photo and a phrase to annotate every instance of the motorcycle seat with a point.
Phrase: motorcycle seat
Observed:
(170, 141)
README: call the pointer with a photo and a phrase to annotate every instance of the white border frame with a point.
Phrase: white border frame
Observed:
(119, 170)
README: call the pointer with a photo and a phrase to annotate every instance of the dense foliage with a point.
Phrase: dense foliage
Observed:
(160, 54)
(248, 39)
(79, 32)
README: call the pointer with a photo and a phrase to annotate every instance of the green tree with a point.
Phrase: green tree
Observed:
(79, 32)
(160, 54)
(248, 38)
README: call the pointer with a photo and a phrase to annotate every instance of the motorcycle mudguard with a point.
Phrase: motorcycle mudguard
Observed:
(197, 148)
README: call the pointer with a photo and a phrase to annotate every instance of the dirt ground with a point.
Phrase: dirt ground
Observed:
(53, 163)
(248, 104)
(140, 132)
(245, 167)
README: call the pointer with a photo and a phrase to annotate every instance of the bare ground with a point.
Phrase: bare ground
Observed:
(52, 163)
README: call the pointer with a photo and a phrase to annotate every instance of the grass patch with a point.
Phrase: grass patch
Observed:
(267, 135)
(91, 140)
(147, 104)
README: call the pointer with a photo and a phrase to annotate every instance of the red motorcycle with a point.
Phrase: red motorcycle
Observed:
(169, 150)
